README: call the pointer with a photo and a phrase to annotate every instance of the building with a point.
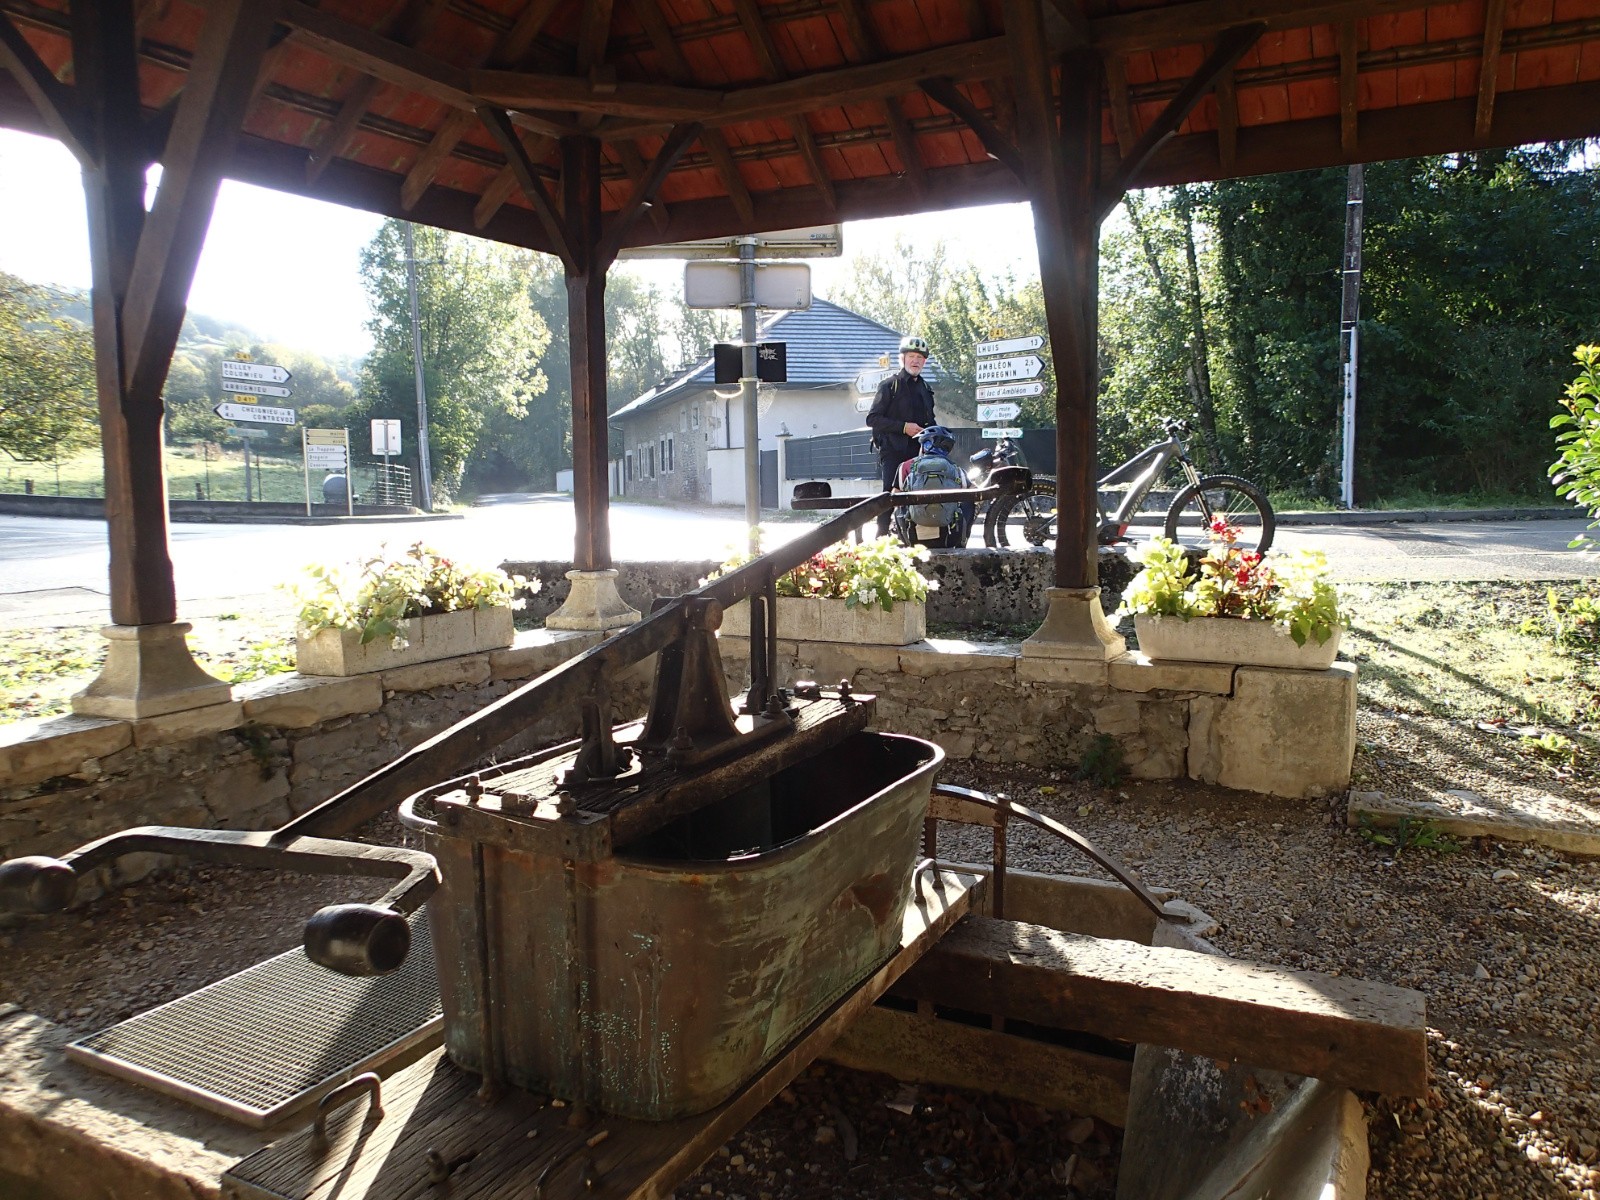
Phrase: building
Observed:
(684, 439)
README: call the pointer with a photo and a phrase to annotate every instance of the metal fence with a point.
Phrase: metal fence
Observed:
(831, 456)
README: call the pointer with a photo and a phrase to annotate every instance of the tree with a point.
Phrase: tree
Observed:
(47, 386)
(482, 343)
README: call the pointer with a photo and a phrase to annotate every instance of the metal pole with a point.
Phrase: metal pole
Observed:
(423, 469)
(1349, 332)
(747, 389)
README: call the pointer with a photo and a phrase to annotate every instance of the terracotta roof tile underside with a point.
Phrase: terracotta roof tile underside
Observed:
(790, 90)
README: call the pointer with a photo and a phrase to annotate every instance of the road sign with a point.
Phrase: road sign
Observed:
(867, 382)
(1002, 433)
(255, 372)
(325, 437)
(999, 412)
(1026, 367)
(1016, 345)
(261, 413)
(718, 285)
(1009, 391)
(816, 241)
(325, 458)
(246, 387)
(236, 431)
(385, 438)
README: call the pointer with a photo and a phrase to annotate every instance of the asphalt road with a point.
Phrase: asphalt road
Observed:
(54, 570)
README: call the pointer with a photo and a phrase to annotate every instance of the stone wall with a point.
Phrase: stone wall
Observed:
(976, 587)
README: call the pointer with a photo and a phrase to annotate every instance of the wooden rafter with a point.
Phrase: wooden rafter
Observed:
(1121, 110)
(1206, 20)
(1066, 26)
(1494, 23)
(494, 197)
(772, 66)
(645, 189)
(1349, 96)
(208, 119)
(52, 100)
(593, 34)
(863, 47)
(1230, 48)
(527, 177)
(677, 69)
(343, 127)
(635, 167)
(572, 94)
(946, 94)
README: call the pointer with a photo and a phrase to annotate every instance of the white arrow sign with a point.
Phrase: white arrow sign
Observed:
(999, 412)
(1025, 367)
(868, 381)
(1002, 433)
(256, 372)
(325, 458)
(253, 389)
(259, 413)
(1009, 391)
(1008, 346)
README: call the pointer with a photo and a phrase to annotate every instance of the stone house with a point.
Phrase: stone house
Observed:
(684, 439)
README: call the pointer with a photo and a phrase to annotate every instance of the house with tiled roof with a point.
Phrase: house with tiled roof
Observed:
(684, 439)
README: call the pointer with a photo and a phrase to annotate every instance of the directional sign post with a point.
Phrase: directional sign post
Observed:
(1009, 391)
(1002, 433)
(1016, 345)
(327, 450)
(999, 412)
(996, 369)
(867, 382)
(260, 413)
(246, 387)
(254, 372)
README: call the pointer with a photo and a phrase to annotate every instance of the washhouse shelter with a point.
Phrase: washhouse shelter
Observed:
(581, 127)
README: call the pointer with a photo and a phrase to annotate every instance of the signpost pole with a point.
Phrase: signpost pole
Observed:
(305, 467)
(747, 390)
(424, 471)
(349, 479)
(247, 494)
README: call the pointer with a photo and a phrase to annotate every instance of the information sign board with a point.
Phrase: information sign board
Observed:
(325, 458)
(255, 372)
(999, 412)
(718, 285)
(1016, 345)
(245, 386)
(994, 370)
(1009, 391)
(385, 438)
(265, 414)
(1002, 433)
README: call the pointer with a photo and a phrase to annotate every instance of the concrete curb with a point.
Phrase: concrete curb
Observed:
(1406, 516)
(1471, 818)
(216, 512)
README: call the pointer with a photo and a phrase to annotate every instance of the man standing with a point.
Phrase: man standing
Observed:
(903, 406)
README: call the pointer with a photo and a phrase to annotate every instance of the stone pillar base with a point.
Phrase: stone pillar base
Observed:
(148, 672)
(593, 604)
(1074, 627)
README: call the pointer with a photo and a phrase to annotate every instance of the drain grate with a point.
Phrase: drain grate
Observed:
(277, 1036)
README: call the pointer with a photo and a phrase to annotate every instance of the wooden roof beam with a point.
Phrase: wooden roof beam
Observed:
(635, 167)
(862, 46)
(593, 34)
(518, 161)
(515, 89)
(1121, 109)
(945, 93)
(772, 66)
(1494, 23)
(52, 100)
(645, 189)
(1207, 20)
(1227, 120)
(1230, 48)
(677, 69)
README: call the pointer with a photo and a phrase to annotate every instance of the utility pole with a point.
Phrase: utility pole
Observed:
(747, 389)
(424, 471)
(1349, 333)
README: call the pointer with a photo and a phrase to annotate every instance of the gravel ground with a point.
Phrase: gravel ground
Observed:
(1500, 938)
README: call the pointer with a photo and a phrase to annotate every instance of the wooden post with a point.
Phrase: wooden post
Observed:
(586, 331)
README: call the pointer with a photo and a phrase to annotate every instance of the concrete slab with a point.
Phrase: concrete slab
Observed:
(1547, 820)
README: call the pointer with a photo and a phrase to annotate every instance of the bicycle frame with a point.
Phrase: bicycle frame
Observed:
(1143, 470)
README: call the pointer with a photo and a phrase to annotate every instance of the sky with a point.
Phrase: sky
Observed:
(286, 268)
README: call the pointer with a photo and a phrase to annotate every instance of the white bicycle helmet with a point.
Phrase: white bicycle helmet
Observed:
(914, 345)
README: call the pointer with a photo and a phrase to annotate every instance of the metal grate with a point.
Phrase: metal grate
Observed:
(276, 1037)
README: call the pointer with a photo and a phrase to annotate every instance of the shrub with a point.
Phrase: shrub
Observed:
(1576, 473)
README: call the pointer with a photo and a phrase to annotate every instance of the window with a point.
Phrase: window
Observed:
(627, 468)
(672, 458)
(652, 462)
(694, 416)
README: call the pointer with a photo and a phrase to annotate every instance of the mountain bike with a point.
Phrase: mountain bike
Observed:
(1201, 500)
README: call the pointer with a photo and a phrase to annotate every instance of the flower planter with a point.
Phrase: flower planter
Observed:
(811, 619)
(1231, 640)
(441, 635)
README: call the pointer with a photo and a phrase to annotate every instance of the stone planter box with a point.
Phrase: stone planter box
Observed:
(808, 619)
(442, 635)
(1229, 640)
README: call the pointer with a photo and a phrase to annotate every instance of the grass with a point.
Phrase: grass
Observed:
(191, 475)
(1458, 651)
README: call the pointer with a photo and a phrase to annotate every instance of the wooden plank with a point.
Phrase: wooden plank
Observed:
(905, 145)
(1364, 1035)
(772, 66)
(517, 1146)
(1349, 58)
(1205, 20)
(1227, 120)
(339, 131)
(645, 189)
(445, 139)
(522, 169)
(633, 163)
(1494, 23)
(655, 101)
(952, 1054)
(1121, 110)
(495, 194)
(586, 335)
(593, 34)
(945, 93)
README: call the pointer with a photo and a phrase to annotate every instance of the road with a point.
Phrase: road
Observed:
(54, 570)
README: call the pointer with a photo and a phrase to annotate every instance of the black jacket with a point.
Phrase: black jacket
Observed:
(902, 397)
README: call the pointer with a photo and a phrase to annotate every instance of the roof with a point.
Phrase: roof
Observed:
(444, 111)
(828, 346)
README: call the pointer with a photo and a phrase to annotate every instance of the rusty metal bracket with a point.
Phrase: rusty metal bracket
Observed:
(367, 1083)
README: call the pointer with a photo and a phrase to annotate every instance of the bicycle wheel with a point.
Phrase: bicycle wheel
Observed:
(1241, 503)
(1028, 519)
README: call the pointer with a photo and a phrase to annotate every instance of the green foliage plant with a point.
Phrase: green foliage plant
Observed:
(872, 574)
(382, 593)
(1408, 834)
(48, 407)
(1576, 473)
(1290, 589)
(1101, 763)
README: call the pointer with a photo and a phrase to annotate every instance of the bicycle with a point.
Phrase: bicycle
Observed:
(982, 464)
(1197, 504)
